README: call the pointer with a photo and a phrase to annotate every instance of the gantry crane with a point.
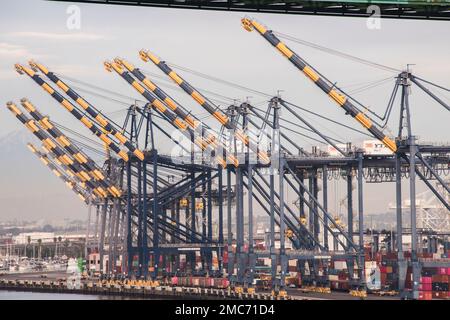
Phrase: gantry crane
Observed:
(190, 119)
(174, 119)
(208, 106)
(339, 97)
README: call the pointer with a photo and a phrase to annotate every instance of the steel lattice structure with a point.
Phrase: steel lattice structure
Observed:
(151, 208)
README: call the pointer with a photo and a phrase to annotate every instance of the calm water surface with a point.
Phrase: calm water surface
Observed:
(22, 295)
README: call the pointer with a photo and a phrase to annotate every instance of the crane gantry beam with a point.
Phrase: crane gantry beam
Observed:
(339, 97)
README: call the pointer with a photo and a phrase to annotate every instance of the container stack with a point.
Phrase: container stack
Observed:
(425, 287)
(434, 284)
(338, 276)
(388, 270)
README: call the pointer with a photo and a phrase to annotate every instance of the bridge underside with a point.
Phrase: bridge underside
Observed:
(437, 10)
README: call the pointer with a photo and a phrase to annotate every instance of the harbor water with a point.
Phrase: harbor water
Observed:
(26, 295)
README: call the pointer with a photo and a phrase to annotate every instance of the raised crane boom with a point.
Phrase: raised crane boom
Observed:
(71, 108)
(56, 150)
(84, 161)
(202, 101)
(341, 99)
(71, 184)
(194, 123)
(89, 109)
(161, 108)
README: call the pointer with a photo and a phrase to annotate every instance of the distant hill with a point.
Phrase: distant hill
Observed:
(28, 189)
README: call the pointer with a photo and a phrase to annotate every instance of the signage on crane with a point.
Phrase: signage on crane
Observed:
(375, 147)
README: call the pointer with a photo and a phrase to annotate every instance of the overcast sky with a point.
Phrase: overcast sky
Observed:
(214, 43)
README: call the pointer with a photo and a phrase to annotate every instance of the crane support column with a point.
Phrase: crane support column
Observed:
(412, 191)
(251, 254)
(361, 262)
(155, 209)
(402, 266)
(230, 267)
(350, 261)
(325, 205)
(220, 204)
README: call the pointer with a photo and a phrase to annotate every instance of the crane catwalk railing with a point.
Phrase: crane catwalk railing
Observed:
(87, 106)
(72, 109)
(341, 99)
(71, 148)
(209, 138)
(202, 101)
(55, 149)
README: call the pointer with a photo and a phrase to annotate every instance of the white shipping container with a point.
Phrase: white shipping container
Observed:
(375, 147)
(340, 265)
(373, 276)
(333, 152)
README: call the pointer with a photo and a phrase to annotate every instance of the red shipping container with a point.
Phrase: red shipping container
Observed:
(427, 287)
(383, 278)
(421, 295)
(442, 271)
(174, 281)
(448, 269)
(428, 295)
(425, 279)
(436, 278)
(443, 295)
(383, 269)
